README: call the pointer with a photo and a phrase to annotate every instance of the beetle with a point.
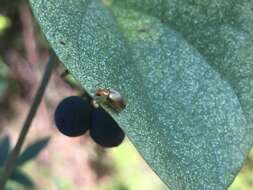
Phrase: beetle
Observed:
(112, 98)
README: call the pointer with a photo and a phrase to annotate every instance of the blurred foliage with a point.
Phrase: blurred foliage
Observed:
(30, 153)
(71, 81)
(244, 180)
(62, 184)
(5, 22)
(132, 173)
(5, 149)
(4, 79)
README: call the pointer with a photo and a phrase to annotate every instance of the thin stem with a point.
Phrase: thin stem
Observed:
(11, 161)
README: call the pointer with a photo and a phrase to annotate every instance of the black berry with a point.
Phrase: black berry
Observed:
(73, 116)
(104, 130)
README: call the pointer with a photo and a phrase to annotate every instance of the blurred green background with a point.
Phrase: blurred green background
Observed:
(65, 163)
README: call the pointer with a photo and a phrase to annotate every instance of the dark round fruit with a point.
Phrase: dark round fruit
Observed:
(104, 130)
(73, 116)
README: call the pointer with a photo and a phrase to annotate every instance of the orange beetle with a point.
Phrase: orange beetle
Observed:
(112, 98)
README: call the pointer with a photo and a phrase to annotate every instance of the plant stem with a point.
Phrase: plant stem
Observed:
(11, 161)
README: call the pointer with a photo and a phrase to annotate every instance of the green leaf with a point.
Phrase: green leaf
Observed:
(21, 178)
(184, 67)
(4, 149)
(4, 72)
(3, 86)
(32, 151)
